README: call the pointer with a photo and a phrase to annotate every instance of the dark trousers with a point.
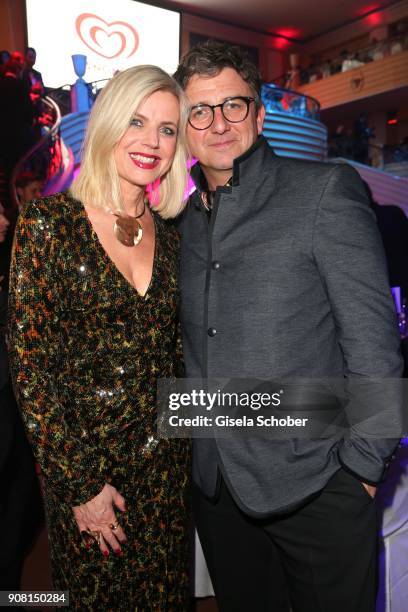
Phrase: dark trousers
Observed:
(319, 558)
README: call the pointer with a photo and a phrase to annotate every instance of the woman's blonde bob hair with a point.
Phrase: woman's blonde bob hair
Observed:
(97, 184)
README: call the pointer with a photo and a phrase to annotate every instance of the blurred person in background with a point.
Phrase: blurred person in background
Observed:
(362, 133)
(28, 186)
(31, 77)
(4, 58)
(16, 115)
(393, 226)
(19, 58)
(33, 82)
(4, 224)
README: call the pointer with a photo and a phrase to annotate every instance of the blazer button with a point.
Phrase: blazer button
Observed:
(211, 331)
(216, 265)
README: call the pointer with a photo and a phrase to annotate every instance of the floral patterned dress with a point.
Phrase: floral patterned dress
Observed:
(86, 351)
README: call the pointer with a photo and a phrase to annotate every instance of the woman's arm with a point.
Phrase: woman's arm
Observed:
(76, 470)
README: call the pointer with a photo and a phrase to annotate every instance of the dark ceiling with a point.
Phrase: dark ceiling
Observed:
(301, 20)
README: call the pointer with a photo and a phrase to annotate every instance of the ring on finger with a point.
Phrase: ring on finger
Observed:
(96, 536)
(87, 537)
(114, 526)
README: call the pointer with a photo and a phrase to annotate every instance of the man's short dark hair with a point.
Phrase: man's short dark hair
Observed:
(210, 57)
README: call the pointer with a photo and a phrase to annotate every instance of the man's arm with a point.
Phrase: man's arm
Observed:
(350, 258)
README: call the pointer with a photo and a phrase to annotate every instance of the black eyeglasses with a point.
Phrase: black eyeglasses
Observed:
(233, 110)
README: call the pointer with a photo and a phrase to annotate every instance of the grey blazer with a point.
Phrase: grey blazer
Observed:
(290, 273)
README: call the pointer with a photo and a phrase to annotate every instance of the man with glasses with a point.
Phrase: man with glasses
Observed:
(282, 276)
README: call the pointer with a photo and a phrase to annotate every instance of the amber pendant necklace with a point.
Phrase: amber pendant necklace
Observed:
(128, 230)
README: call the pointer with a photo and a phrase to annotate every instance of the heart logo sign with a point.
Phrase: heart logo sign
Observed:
(107, 39)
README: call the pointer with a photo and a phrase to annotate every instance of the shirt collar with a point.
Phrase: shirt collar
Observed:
(239, 164)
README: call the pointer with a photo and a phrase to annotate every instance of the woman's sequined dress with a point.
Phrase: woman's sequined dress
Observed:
(86, 351)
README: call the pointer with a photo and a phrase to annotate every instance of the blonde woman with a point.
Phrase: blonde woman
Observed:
(94, 301)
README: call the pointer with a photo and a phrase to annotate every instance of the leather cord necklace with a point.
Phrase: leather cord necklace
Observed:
(128, 230)
(207, 197)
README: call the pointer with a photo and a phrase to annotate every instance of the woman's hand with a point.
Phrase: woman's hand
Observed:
(97, 518)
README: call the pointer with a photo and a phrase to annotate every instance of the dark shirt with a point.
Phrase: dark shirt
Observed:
(33, 79)
(393, 226)
(16, 119)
